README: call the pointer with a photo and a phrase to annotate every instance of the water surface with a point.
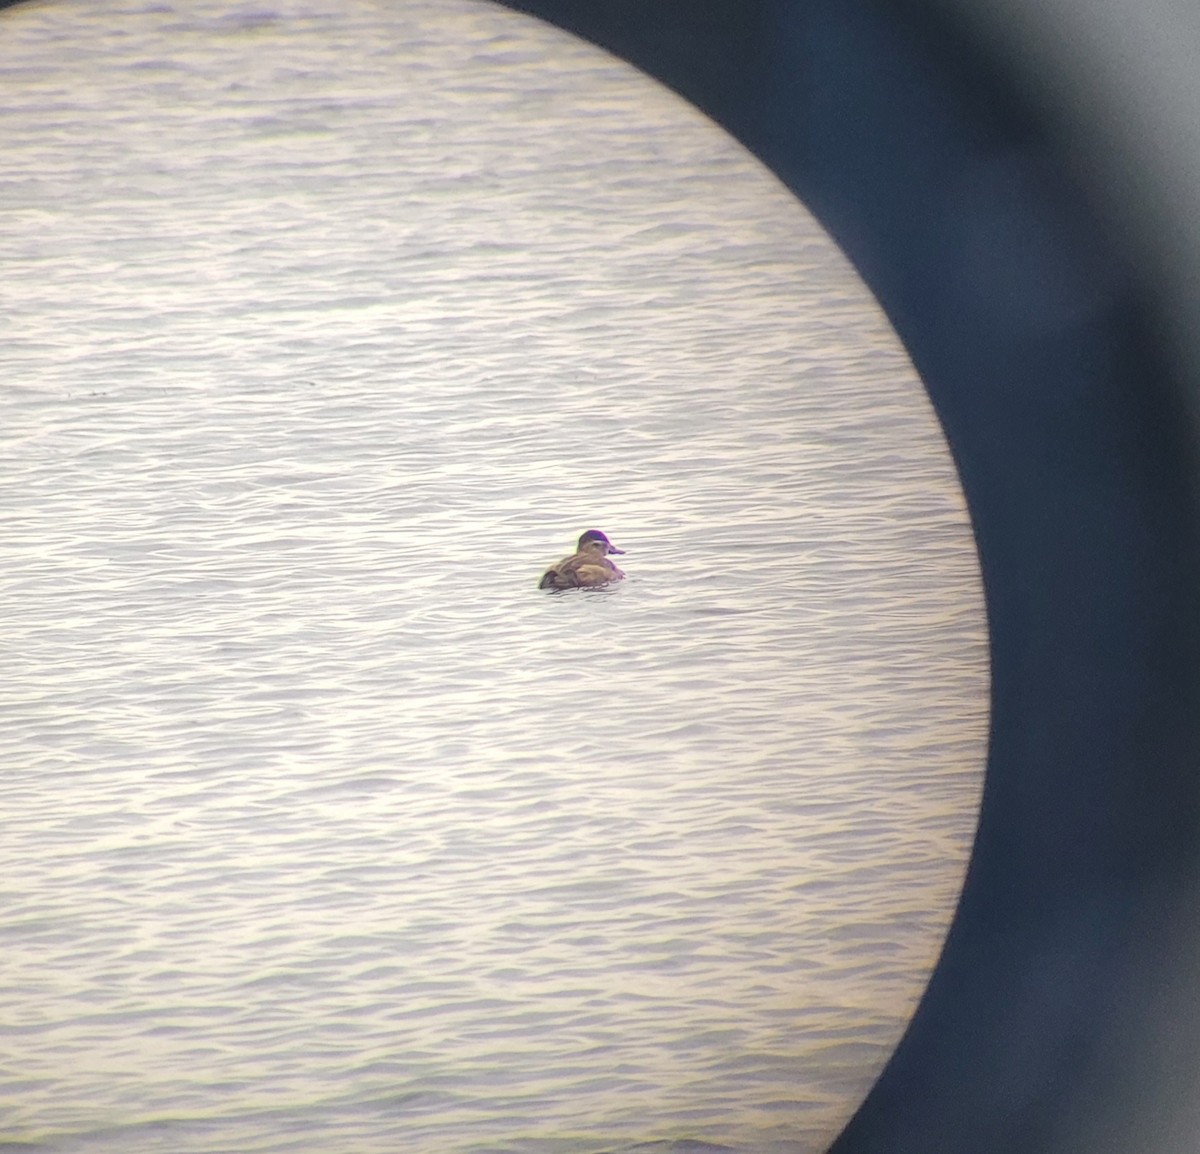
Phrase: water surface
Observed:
(327, 327)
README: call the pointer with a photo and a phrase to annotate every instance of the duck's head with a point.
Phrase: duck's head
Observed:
(596, 541)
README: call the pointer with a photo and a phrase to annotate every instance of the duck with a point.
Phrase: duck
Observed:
(587, 568)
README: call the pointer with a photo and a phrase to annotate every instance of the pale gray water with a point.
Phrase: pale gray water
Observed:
(327, 326)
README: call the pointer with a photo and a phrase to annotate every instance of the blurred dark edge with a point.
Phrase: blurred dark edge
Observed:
(1064, 1014)
(1043, 314)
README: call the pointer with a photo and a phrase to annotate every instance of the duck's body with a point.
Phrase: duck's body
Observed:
(587, 568)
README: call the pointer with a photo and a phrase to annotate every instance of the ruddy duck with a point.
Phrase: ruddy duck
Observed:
(587, 568)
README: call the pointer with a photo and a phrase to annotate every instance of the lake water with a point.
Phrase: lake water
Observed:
(327, 326)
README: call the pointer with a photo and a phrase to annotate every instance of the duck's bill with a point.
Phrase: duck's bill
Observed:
(613, 549)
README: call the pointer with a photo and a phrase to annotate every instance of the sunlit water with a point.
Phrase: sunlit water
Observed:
(327, 326)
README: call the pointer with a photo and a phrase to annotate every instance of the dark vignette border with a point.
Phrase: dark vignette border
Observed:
(1064, 1013)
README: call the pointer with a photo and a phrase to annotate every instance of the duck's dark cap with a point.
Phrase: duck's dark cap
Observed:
(595, 535)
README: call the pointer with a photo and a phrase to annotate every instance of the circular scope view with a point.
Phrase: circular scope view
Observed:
(358, 797)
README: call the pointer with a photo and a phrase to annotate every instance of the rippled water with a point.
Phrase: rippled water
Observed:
(327, 326)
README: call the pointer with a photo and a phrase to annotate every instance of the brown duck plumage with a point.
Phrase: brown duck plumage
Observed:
(587, 567)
